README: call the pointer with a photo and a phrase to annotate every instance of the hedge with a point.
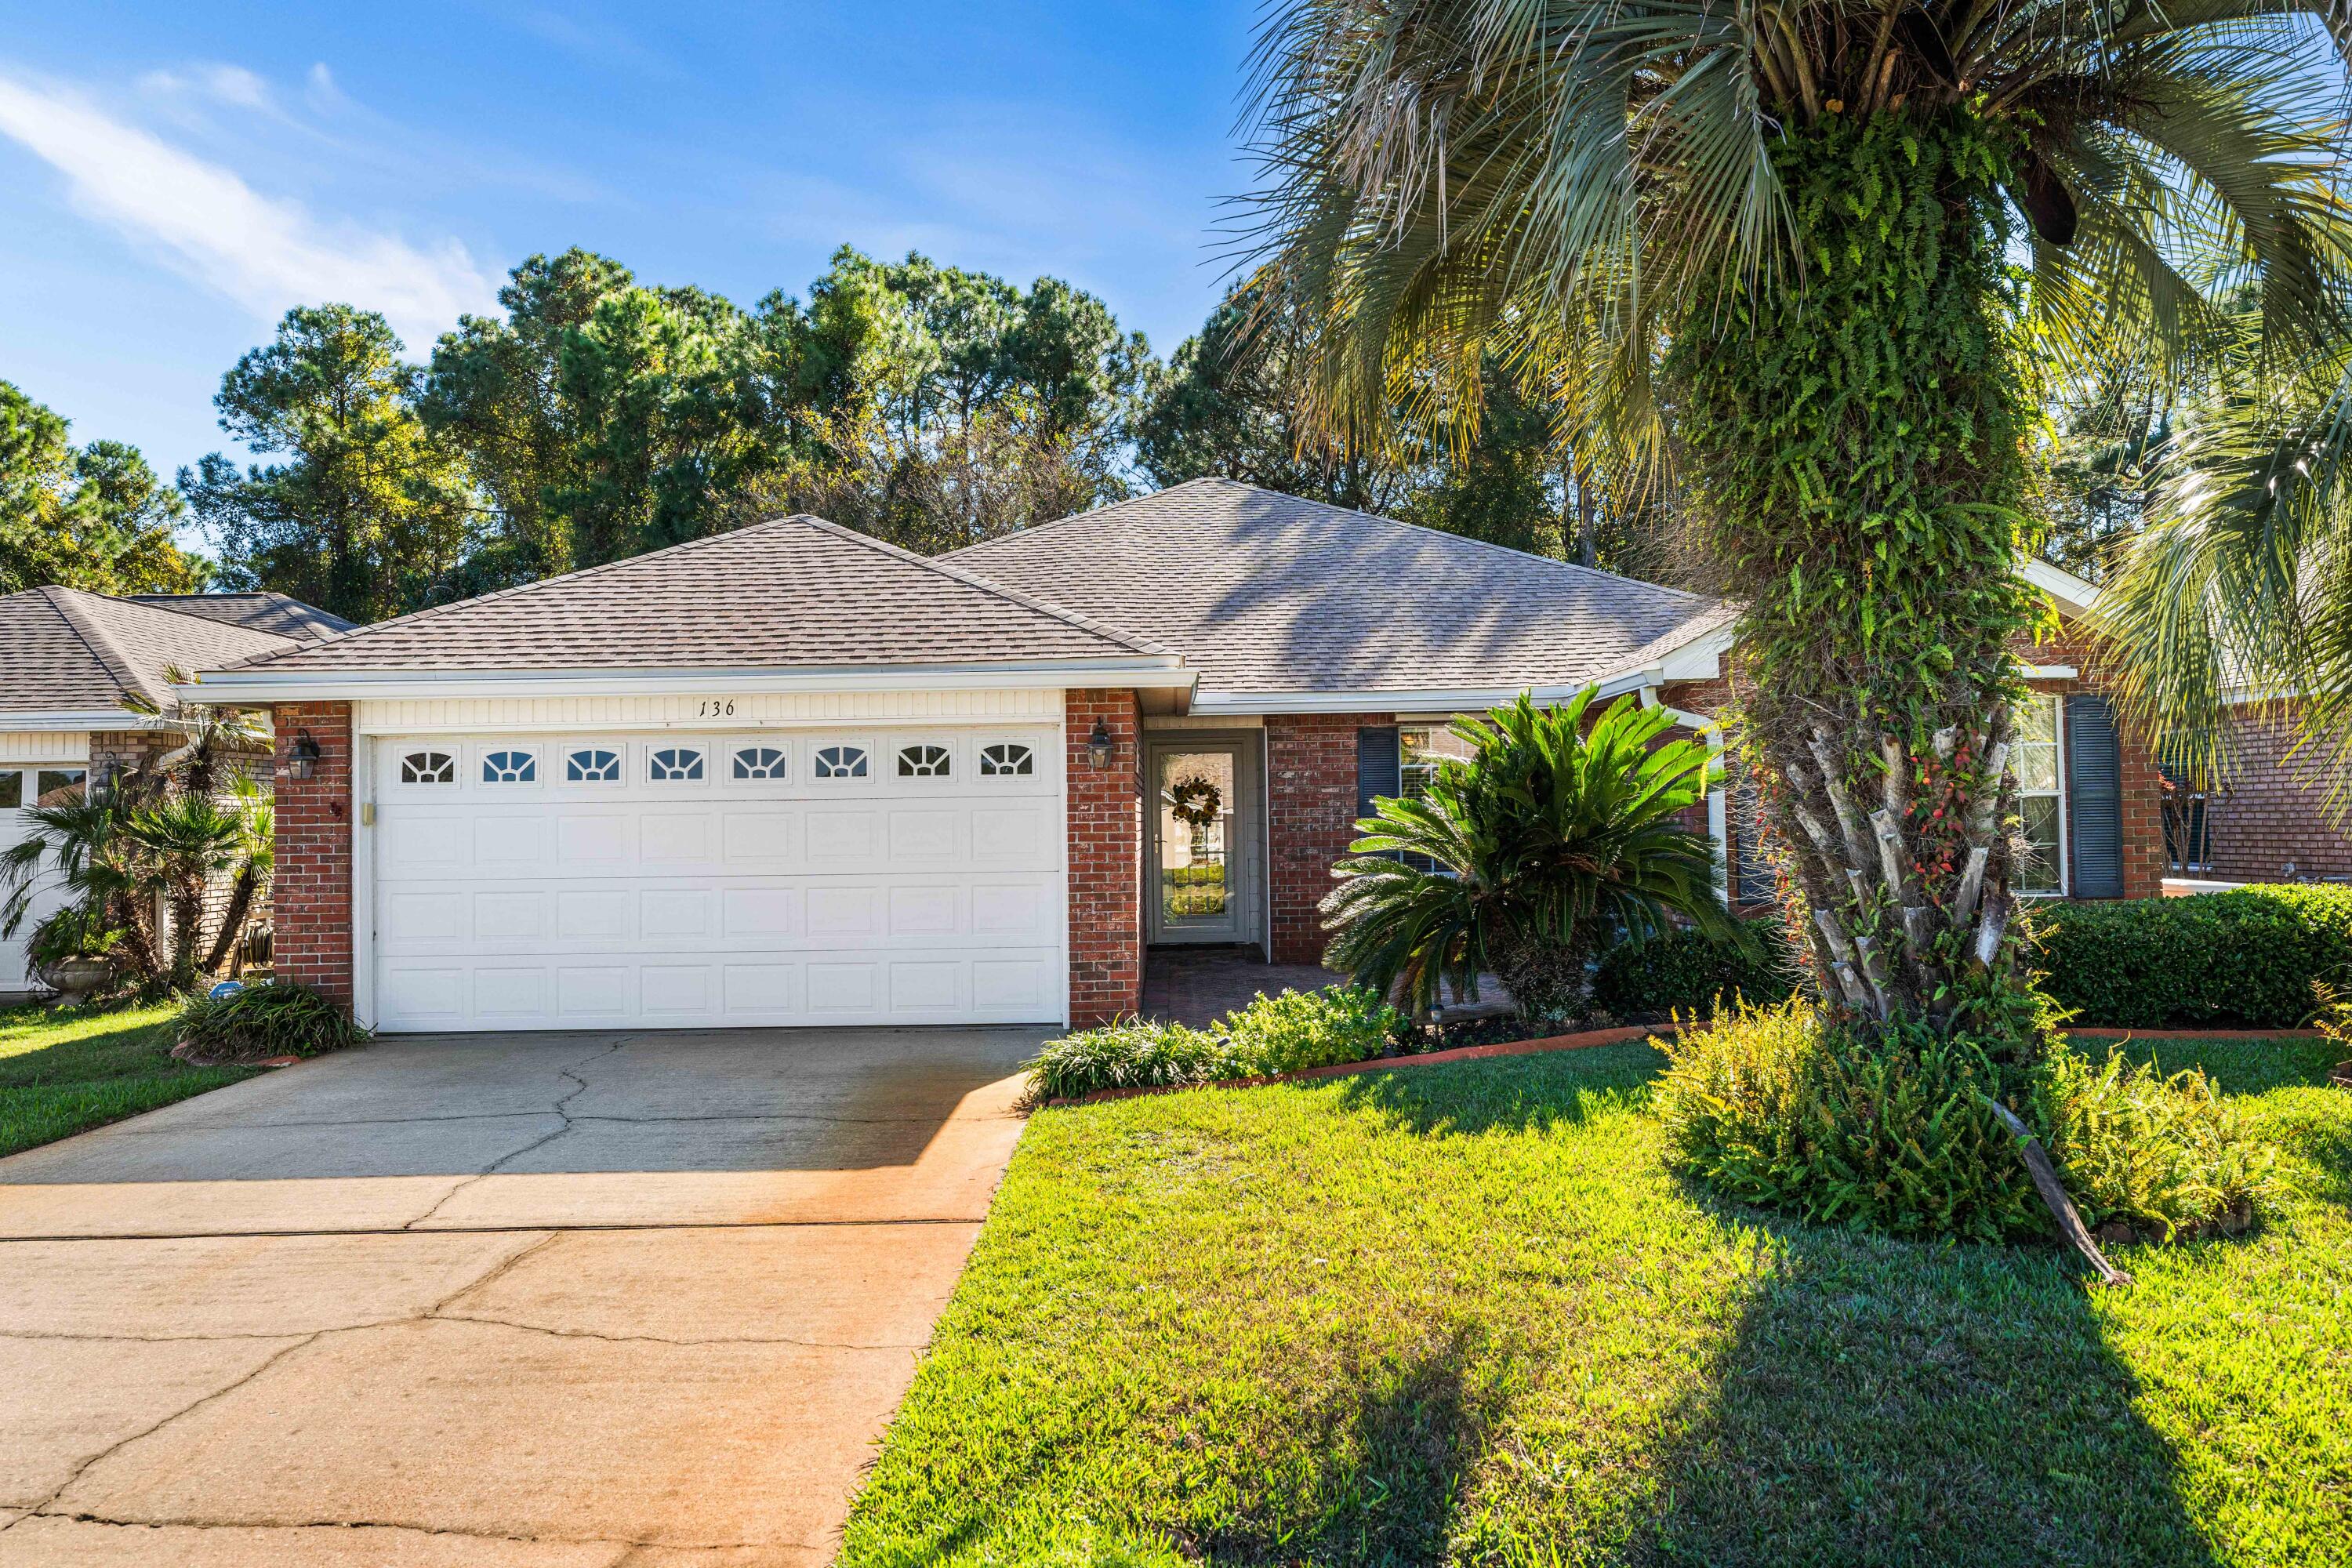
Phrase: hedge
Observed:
(2244, 959)
(1684, 971)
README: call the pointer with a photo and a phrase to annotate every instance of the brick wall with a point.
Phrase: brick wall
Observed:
(2268, 820)
(313, 890)
(1106, 854)
(1310, 765)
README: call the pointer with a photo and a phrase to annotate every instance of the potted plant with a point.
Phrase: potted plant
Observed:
(73, 953)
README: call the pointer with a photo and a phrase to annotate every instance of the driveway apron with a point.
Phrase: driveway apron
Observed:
(595, 1300)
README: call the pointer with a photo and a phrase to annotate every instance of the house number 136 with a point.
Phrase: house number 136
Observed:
(717, 709)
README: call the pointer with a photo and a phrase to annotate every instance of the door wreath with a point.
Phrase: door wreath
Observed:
(1195, 802)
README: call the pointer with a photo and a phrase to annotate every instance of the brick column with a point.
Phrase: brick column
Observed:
(1106, 859)
(311, 891)
(1311, 767)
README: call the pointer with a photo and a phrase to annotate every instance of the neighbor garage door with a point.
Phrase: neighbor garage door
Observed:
(850, 877)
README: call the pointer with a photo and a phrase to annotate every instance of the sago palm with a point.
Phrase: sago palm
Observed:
(1842, 243)
(1517, 860)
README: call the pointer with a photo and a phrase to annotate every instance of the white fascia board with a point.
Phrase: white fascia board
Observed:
(2073, 593)
(85, 718)
(1701, 659)
(1464, 700)
(2050, 672)
(227, 686)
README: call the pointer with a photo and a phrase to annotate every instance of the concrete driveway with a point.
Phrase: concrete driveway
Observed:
(574, 1300)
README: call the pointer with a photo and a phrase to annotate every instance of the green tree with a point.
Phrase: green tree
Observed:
(1799, 223)
(96, 518)
(366, 513)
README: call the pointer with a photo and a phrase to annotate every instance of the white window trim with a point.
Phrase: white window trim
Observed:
(651, 748)
(560, 774)
(843, 781)
(756, 743)
(979, 761)
(2066, 824)
(481, 762)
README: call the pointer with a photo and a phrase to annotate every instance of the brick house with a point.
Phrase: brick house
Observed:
(790, 774)
(83, 671)
(2266, 821)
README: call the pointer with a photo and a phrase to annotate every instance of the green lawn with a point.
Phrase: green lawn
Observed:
(63, 1071)
(1460, 1313)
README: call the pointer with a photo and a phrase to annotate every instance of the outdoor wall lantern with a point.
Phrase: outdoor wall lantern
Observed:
(1099, 745)
(303, 760)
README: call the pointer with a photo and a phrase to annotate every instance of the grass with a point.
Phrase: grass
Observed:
(64, 1070)
(1462, 1314)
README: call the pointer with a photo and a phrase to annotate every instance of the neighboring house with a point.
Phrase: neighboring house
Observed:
(2267, 821)
(790, 774)
(78, 666)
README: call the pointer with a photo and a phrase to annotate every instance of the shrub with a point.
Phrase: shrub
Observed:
(1130, 1054)
(1688, 971)
(1896, 1131)
(1300, 1029)
(1296, 1030)
(264, 1021)
(2243, 959)
(2163, 1155)
(1771, 1107)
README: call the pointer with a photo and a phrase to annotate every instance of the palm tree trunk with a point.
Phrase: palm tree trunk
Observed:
(232, 923)
(1860, 464)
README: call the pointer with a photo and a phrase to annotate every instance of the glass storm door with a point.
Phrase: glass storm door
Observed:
(1198, 867)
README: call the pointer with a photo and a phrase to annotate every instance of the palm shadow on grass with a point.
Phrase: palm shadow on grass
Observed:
(1875, 1401)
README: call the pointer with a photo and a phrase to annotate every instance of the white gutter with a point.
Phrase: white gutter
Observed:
(1460, 701)
(265, 685)
(81, 719)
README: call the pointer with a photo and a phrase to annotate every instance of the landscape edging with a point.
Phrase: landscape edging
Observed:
(1585, 1041)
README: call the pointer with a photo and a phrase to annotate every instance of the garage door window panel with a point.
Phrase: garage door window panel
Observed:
(428, 767)
(591, 764)
(925, 760)
(507, 766)
(841, 763)
(757, 763)
(1007, 759)
(675, 764)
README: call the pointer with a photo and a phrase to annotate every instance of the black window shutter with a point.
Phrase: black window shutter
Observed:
(1378, 770)
(2095, 787)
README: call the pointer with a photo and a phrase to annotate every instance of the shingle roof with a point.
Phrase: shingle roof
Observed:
(265, 612)
(67, 651)
(790, 592)
(1265, 593)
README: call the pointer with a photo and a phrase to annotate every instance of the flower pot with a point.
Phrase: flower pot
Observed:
(75, 978)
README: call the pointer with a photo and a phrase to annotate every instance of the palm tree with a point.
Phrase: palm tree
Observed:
(1800, 224)
(2241, 580)
(1521, 859)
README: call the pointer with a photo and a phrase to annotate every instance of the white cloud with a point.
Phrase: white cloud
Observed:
(263, 252)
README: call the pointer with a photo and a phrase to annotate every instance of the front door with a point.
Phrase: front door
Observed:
(1203, 798)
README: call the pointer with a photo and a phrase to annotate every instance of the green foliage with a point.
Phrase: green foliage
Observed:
(2162, 1154)
(1688, 971)
(95, 519)
(76, 930)
(2241, 959)
(264, 1021)
(1516, 860)
(1288, 1033)
(366, 513)
(1775, 1106)
(1300, 1029)
(1131, 1054)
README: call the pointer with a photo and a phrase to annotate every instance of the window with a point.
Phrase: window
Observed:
(996, 762)
(922, 761)
(841, 763)
(58, 786)
(12, 791)
(1419, 748)
(2034, 757)
(759, 763)
(428, 768)
(676, 764)
(510, 767)
(592, 765)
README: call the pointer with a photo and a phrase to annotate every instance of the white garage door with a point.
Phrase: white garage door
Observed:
(776, 878)
(21, 786)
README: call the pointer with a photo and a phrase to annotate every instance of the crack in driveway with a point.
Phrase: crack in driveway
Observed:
(562, 1108)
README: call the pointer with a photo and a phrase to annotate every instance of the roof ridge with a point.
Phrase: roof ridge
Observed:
(147, 602)
(974, 579)
(257, 660)
(1344, 511)
(102, 644)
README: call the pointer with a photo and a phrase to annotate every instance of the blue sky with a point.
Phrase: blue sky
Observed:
(173, 176)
